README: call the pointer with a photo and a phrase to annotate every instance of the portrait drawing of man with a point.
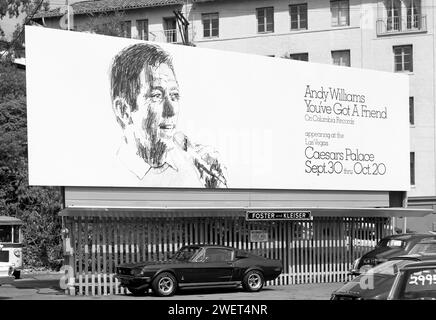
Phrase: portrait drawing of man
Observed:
(146, 102)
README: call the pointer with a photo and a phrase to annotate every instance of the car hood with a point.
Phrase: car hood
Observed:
(150, 263)
(361, 287)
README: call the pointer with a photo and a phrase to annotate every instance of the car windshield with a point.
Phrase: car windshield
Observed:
(424, 248)
(391, 243)
(5, 233)
(186, 253)
(388, 267)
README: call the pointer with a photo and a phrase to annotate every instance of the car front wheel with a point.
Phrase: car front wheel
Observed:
(137, 292)
(253, 281)
(164, 285)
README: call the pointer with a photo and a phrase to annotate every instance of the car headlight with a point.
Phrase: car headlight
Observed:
(17, 253)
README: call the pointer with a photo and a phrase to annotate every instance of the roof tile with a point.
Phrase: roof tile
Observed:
(84, 7)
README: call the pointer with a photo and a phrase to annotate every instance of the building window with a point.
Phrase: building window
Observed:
(412, 168)
(403, 58)
(299, 56)
(340, 10)
(341, 58)
(210, 25)
(265, 19)
(170, 29)
(142, 27)
(411, 110)
(126, 29)
(298, 14)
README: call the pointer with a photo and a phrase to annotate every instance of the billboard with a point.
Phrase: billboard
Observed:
(106, 111)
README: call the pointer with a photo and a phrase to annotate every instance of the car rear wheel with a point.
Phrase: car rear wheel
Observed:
(253, 281)
(164, 285)
(137, 292)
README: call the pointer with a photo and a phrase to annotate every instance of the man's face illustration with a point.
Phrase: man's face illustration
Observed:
(154, 121)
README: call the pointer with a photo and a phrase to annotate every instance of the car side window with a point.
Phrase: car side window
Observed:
(218, 255)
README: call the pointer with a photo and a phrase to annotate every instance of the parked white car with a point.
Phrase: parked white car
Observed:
(6, 274)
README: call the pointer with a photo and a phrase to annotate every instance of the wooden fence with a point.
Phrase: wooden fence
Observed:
(321, 250)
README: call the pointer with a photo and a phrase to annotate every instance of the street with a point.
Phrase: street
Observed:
(46, 286)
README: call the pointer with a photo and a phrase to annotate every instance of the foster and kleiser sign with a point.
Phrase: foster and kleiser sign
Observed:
(107, 111)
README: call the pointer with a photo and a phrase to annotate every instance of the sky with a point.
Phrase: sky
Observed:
(8, 24)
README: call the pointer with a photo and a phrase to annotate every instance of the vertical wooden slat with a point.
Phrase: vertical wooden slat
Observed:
(164, 239)
(122, 241)
(87, 284)
(111, 284)
(116, 242)
(110, 244)
(104, 249)
(317, 225)
(306, 255)
(282, 246)
(288, 253)
(93, 249)
(296, 238)
(131, 239)
(98, 255)
(80, 284)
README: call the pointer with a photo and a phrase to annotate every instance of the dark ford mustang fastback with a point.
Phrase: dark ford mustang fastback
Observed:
(199, 266)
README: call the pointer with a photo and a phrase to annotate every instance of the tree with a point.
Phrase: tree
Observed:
(36, 206)
(13, 8)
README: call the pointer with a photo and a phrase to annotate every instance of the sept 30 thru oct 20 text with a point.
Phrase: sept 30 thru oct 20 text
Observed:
(219, 310)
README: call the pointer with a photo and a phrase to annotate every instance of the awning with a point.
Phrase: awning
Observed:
(171, 212)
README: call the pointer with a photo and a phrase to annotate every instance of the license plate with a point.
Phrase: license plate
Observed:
(4, 256)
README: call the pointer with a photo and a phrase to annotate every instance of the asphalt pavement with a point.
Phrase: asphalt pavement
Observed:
(46, 286)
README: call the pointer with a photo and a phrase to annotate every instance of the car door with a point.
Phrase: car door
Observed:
(216, 265)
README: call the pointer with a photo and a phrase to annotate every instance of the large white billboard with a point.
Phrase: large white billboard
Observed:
(106, 111)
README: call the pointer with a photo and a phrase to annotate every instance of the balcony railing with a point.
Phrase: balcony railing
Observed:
(171, 35)
(410, 23)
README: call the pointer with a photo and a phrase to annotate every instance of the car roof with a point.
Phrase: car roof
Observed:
(7, 220)
(428, 241)
(415, 257)
(421, 264)
(210, 246)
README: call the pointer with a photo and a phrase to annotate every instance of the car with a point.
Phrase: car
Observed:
(415, 281)
(199, 266)
(376, 283)
(388, 247)
(6, 274)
